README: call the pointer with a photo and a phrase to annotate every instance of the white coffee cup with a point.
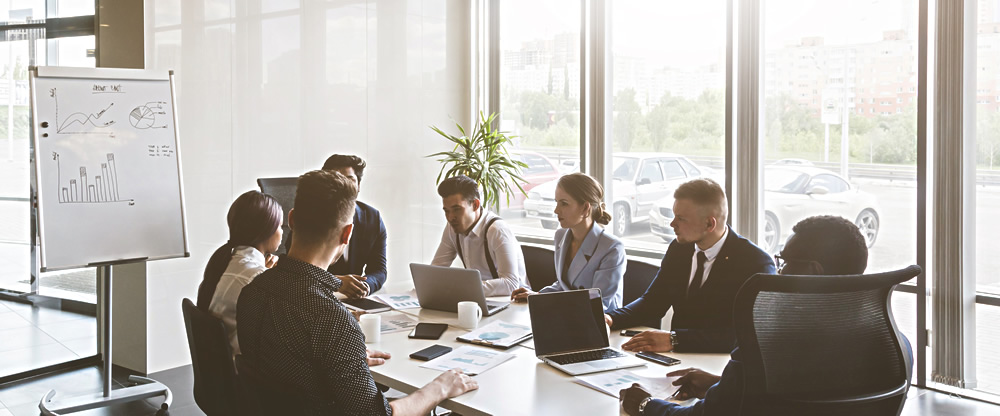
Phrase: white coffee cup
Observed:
(371, 326)
(469, 314)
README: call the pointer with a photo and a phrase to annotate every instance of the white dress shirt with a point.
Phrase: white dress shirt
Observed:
(504, 248)
(710, 254)
(247, 263)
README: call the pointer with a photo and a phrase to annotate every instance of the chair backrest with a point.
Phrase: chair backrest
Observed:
(638, 276)
(212, 360)
(282, 189)
(822, 344)
(539, 263)
(262, 396)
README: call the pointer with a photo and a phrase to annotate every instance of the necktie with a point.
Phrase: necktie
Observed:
(696, 281)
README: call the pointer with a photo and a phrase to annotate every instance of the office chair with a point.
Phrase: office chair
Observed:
(822, 345)
(263, 396)
(638, 276)
(539, 264)
(212, 360)
(282, 189)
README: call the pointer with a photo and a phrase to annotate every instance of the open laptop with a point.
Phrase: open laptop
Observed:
(570, 333)
(442, 288)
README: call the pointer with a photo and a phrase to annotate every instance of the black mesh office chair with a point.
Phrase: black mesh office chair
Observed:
(638, 276)
(822, 345)
(212, 360)
(262, 396)
(539, 263)
(282, 189)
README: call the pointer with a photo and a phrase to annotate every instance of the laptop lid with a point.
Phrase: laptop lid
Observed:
(442, 288)
(567, 321)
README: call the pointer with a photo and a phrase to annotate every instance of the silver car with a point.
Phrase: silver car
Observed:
(639, 180)
(791, 194)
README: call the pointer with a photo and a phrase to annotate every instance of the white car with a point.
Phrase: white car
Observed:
(639, 179)
(793, 193)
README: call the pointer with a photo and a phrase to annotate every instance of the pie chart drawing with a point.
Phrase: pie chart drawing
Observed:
(144, 116)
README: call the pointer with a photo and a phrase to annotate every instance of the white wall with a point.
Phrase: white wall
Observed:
(268, 88)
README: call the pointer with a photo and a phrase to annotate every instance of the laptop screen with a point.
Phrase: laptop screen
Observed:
(567, 321)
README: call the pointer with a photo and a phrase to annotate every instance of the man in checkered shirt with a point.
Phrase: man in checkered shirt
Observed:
(293, 330)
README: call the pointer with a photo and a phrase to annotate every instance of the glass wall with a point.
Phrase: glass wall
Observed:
(669, 106)
(987, 114)
(540, 103)
(839, 122)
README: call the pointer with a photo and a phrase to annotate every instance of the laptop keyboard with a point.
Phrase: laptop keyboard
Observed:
(579, 357)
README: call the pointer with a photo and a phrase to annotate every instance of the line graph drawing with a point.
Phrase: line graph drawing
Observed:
(75, 123)
(144, 116)
(101, 188)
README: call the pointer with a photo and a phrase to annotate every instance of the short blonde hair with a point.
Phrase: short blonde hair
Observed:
(708, 195)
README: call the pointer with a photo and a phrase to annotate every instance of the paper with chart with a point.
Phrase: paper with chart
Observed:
(471, 360)
(107, 166)
(397, 322)
(398, 301)
(497, 334)
(612, 382)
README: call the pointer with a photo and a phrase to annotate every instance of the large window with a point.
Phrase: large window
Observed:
(987, 114)
(839, 121)
(540, 102)
(668, 110)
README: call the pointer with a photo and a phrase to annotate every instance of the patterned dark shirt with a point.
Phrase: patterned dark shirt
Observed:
(294, 331)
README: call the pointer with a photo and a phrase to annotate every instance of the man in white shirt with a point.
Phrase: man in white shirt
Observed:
(478, 238)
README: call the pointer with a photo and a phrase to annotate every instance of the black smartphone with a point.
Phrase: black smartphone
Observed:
(426, 330)
(431, 352)
(630, 332)
(657, 358)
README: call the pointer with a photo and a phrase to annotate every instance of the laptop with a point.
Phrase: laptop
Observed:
(570, 333)
(442, 288)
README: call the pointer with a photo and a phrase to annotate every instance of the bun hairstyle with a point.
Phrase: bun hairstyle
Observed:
(253, 218)
(585, 189)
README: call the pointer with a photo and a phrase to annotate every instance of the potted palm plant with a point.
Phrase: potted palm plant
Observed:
(482, 156)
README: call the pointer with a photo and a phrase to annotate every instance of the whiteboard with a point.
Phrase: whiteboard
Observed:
(107, 166)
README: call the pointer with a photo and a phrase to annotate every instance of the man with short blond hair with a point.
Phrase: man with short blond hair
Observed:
(699, 276)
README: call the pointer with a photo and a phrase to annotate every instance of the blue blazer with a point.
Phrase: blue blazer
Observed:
(703, 323)
(366, 251)
(599, 263)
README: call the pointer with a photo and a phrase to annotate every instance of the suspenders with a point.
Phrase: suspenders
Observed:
(486, 249)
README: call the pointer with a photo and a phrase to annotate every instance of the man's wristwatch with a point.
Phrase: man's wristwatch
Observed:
(673, 340)
(643, 403)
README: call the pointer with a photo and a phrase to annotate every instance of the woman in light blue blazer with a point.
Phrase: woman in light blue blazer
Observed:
(586, 255)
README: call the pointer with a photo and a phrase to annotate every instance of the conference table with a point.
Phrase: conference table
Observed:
(522, 385)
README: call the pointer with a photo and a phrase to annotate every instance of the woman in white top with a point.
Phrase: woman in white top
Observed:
(254, 233)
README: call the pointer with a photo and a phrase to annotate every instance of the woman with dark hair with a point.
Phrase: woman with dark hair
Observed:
(585, 255)
(254, 233)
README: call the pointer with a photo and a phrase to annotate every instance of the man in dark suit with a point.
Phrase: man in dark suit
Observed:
(362, 268)
(820, 245)
(700, 274)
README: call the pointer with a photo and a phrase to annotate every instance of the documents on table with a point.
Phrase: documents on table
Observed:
(498, 334)
(471, 360)
(396, 322)
(611, 382)
(406, 300)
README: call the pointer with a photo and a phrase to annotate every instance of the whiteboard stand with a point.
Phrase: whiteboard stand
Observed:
(145, 388)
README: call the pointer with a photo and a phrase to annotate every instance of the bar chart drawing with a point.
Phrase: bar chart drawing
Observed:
(90, 189)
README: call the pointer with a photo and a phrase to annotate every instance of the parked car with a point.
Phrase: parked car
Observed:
(540, 170)
(638, 179)
(791, 194)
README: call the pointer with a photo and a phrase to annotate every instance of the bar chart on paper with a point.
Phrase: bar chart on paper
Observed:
(101, 187)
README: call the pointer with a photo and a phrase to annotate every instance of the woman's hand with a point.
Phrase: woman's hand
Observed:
(521, 294)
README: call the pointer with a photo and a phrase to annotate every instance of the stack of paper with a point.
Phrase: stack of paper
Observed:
(399, 300)
(612, 382)
(470, 360)
(498, 334)
(396, 322)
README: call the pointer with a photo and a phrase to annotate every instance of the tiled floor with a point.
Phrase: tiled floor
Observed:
(33, 337)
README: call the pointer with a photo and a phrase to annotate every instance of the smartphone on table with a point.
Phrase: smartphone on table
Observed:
(431, 352)
(630, 332)
(657, 358)
(425, 330)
